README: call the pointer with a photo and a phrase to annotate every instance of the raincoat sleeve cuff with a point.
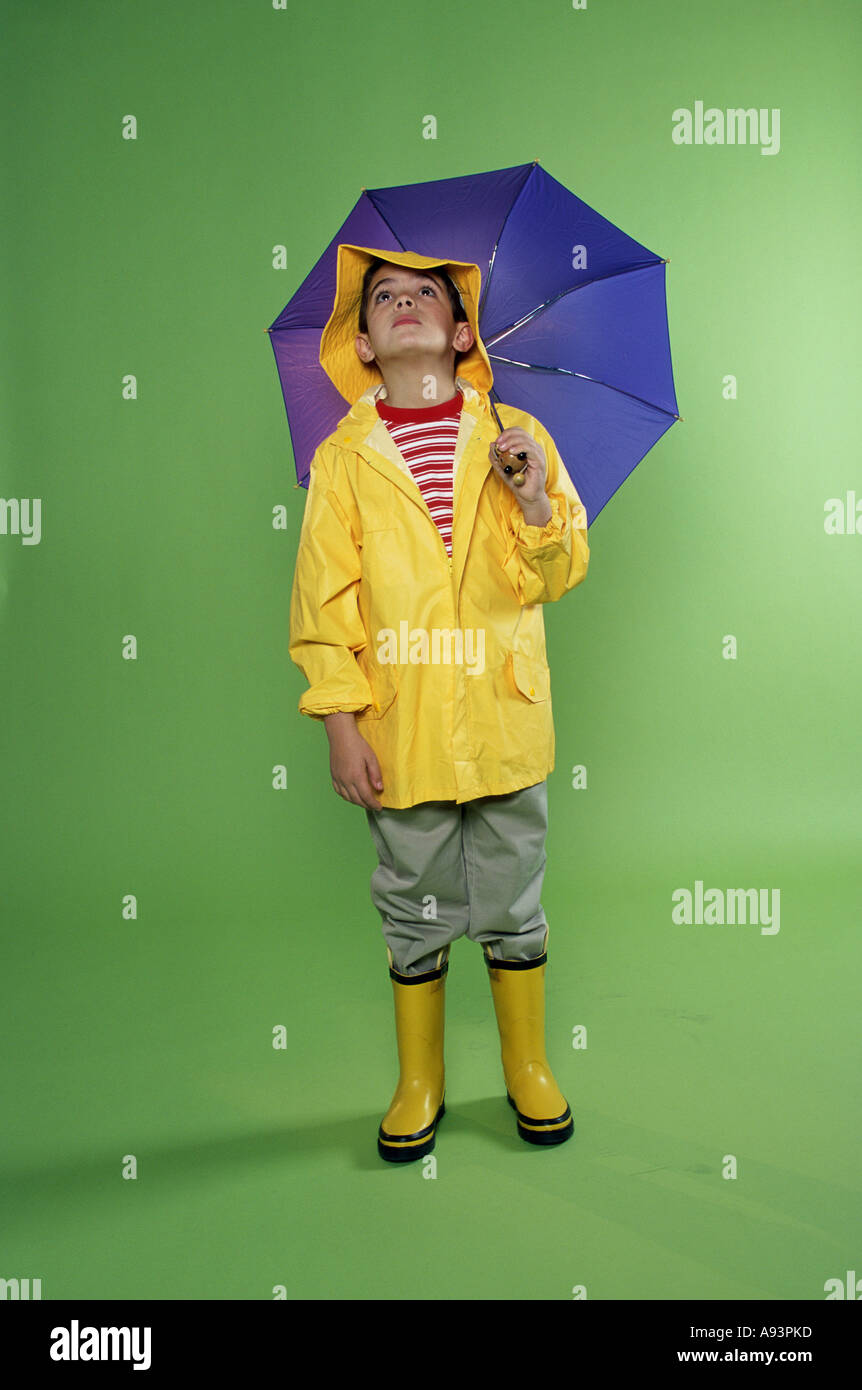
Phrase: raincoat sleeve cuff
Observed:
(344, 690)
(534, 537)
(320, 711)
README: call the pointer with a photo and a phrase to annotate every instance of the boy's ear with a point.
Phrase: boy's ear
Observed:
(463, 339)
(364, 348)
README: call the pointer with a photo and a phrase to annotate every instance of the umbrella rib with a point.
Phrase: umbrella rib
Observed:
(384, 218)
(626, 270)
(483, 296)
(564, 371)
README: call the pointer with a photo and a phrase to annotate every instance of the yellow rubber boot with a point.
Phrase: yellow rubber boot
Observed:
(409, 1127)
(518, 990)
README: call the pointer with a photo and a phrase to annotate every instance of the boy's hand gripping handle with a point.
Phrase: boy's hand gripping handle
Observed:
(508, 461)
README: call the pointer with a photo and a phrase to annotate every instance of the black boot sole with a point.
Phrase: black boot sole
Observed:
(542, 1136)
(406, 1148)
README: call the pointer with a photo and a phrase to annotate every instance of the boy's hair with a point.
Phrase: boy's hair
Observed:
(459, 313)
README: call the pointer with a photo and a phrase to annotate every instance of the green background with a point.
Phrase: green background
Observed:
(152, 1037)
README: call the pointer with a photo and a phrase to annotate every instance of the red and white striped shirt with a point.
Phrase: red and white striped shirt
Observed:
(426, 439)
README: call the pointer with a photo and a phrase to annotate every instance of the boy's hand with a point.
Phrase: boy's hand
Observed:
(531, 494)
(353, 764)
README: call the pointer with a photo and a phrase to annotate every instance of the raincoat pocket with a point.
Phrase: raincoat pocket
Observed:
(384, 686)
(532, 678)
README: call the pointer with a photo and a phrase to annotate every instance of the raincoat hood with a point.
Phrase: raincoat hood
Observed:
(338, 355)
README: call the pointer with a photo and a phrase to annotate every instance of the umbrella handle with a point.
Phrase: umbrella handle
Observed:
(519, 477)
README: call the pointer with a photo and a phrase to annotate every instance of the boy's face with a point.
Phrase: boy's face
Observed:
(409, 315)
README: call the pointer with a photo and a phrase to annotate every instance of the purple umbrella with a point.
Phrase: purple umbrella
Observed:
(572, 313)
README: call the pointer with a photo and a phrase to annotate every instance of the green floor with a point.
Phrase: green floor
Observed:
(257, 1167)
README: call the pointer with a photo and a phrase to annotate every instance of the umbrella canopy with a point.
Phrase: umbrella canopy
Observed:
(572, 314)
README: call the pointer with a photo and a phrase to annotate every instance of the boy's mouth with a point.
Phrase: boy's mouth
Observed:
(404, 320)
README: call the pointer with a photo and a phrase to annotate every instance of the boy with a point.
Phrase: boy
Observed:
(416, 617)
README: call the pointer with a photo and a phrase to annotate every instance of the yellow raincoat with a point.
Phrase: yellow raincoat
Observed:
(442, 660)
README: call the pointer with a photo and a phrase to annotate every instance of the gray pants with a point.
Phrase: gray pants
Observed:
(472, 869)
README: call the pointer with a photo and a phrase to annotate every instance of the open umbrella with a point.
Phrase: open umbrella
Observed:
(572, 313)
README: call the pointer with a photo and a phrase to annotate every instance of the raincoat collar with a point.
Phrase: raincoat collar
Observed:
(363, 429)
